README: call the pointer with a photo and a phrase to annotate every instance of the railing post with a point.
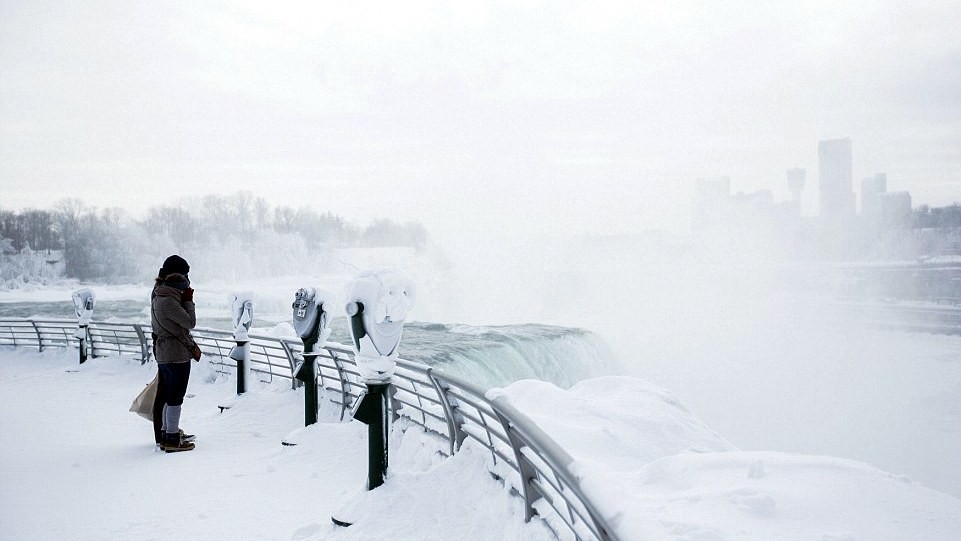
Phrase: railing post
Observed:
(527, 473)
(270, 365)
(392, 400)
(520, 428)
(13, 334)
(39, 336)
(292, 360)
(455, 434)
(144, 348)
(341, 377)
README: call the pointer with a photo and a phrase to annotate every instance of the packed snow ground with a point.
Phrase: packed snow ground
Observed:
(768, 375)
(75, 464)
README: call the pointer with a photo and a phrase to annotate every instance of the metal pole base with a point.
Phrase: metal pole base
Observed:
(338, 522)
(241, 354)
(373, 412)
(353, 510)
(308, 374)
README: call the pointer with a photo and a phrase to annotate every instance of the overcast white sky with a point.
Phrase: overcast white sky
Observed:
(570, 116)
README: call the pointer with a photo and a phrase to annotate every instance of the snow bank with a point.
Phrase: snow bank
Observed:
(765, 496)
(83, 468)
(659, 473)
(620, 422)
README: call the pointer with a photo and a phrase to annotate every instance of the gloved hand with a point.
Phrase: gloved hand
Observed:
(187, 295)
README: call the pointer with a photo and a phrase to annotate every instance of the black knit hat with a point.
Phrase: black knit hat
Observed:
(174, 264)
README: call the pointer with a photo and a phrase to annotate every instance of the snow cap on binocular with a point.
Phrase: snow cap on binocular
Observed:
(83, 301)
(387, 294)
(241, 308)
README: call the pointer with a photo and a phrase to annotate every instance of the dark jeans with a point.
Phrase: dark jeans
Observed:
(171, 387)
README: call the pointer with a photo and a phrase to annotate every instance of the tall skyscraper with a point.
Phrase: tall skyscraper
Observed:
(835, 180)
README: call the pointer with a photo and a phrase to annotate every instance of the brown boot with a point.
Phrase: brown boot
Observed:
(173, 443)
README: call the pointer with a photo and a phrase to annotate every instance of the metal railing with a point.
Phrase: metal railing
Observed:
(120, 339)
(456, 411)
(39, 333)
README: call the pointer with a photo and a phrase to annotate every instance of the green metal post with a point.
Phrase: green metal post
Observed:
(83, 344)
(373, 412)
(242, 363)
(308, 375)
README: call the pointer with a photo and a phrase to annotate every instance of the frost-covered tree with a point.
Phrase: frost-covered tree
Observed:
(284, 219)
(73, 223)
(31, 228)
(173, 223)
(235, 234)
(97, 245)
(388, 233)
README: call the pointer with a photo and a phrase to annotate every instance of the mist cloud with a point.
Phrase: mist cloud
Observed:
(444, 113)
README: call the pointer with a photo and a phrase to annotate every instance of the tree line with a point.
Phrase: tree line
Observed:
(110, 245)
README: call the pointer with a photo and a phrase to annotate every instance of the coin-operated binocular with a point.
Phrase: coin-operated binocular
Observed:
(83, 301)
(242, 309)
(311, 320)
(378, 303)
(377, 306)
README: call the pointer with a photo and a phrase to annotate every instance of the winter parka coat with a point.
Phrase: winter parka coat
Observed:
(171, 320)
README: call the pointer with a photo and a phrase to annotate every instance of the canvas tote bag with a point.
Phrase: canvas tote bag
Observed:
(143, 404)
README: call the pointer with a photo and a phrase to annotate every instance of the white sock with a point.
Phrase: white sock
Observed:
(172, 419)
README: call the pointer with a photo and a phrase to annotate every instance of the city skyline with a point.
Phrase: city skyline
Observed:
(472, 116)
(835, 192)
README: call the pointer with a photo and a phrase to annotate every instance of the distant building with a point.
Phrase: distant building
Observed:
(753, 201)
(938, 233)
(835, 174)
(795, 185)
(895, 210)
(712, 203)
(726, 223)
(753, 212)
(716, 189)
(871, 189)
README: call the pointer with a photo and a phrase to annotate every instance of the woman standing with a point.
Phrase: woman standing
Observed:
(172, 315)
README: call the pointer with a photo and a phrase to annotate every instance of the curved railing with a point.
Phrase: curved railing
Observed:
(454, 410)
